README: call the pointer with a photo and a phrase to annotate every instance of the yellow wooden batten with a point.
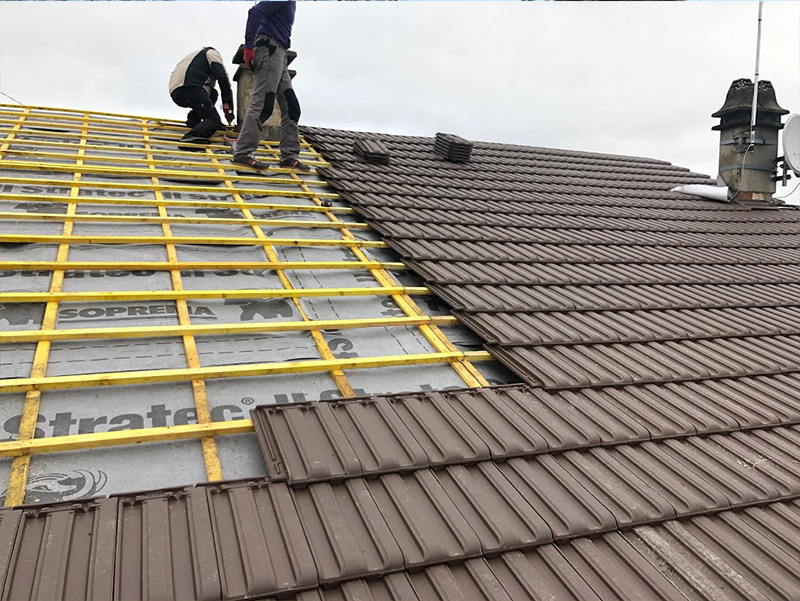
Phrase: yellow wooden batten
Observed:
(191, 156)
(20, 466)
(170, 202)
(202, 265)
(219, 329)
(214, 240)
(128, 378)
(199, 392)
(59, 111)
(117, 142)
(168, 160)
(131, 173)
(294, 223)
(57, 183)
(76, 442)
(161, 295)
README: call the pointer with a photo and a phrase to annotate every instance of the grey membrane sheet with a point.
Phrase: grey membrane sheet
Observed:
(72, 475)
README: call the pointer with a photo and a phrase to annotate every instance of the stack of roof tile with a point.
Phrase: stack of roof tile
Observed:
(372, 151)
(453, 148)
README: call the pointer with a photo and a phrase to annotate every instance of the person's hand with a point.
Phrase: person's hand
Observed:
(228, 110)
(249, 57)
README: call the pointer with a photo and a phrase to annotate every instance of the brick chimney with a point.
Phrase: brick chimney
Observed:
(244, 79)
(748, 165)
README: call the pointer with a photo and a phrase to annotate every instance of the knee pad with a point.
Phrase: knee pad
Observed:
(293, 104)
(266, 110)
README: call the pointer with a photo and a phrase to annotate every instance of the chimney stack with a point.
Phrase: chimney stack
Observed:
(245, 78)
(747, 166)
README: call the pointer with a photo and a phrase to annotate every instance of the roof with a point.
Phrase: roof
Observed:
(584, 271)
(651, 452)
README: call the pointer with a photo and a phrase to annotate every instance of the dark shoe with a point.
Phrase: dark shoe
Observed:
(196, 141)
(193, 139)
(251, 161)
(294, 164)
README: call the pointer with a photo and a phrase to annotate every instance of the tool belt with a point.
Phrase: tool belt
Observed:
(267, 43)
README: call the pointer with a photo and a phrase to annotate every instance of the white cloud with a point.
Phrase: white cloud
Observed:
(628, 78)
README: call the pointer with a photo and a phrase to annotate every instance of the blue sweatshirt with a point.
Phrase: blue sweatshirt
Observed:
(272, 18)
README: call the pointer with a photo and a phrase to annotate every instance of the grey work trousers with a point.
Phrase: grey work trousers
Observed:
(271, 82)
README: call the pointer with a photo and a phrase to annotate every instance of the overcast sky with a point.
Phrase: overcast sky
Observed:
(618, 77)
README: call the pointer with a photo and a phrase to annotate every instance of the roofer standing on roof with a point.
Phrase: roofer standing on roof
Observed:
(191, 85)
(267, 37)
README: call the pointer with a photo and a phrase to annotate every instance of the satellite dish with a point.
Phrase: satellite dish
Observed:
(791, 142)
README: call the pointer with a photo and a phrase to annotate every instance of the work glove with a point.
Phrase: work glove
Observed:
(249, 57)
(228, 110)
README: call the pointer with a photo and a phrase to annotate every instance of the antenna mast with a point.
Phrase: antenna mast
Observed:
(755, 80)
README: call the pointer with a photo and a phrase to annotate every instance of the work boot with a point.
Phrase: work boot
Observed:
(196, 142)
(193, 139)
(250, 160)
(294, 164)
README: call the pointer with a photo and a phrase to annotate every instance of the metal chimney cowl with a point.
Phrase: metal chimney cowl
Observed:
(747, 166)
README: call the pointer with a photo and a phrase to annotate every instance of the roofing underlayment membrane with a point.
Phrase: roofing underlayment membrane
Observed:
(538, 374)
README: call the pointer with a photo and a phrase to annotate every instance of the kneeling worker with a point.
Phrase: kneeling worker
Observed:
(191, 85)
(267, 38)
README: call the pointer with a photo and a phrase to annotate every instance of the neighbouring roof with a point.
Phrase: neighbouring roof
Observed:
(651, 452)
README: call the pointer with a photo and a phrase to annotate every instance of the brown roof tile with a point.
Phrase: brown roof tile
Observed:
(566, 506)
(348, 536)
(260, 541)
(64, 551)
(165, 548)
(423, 519)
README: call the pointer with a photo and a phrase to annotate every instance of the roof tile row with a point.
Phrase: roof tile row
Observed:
(532, 202)
(521, 274)
(579, 366)
(245, 539)
(427, 204)
(488, 155)
(328, 138)
(606, 327)
(589, 237)
(562, 185)
(510, 214)
(539, 299)
(520, 180)
(748, 555)
(402, 433)
(440, 250)
(497, 170)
